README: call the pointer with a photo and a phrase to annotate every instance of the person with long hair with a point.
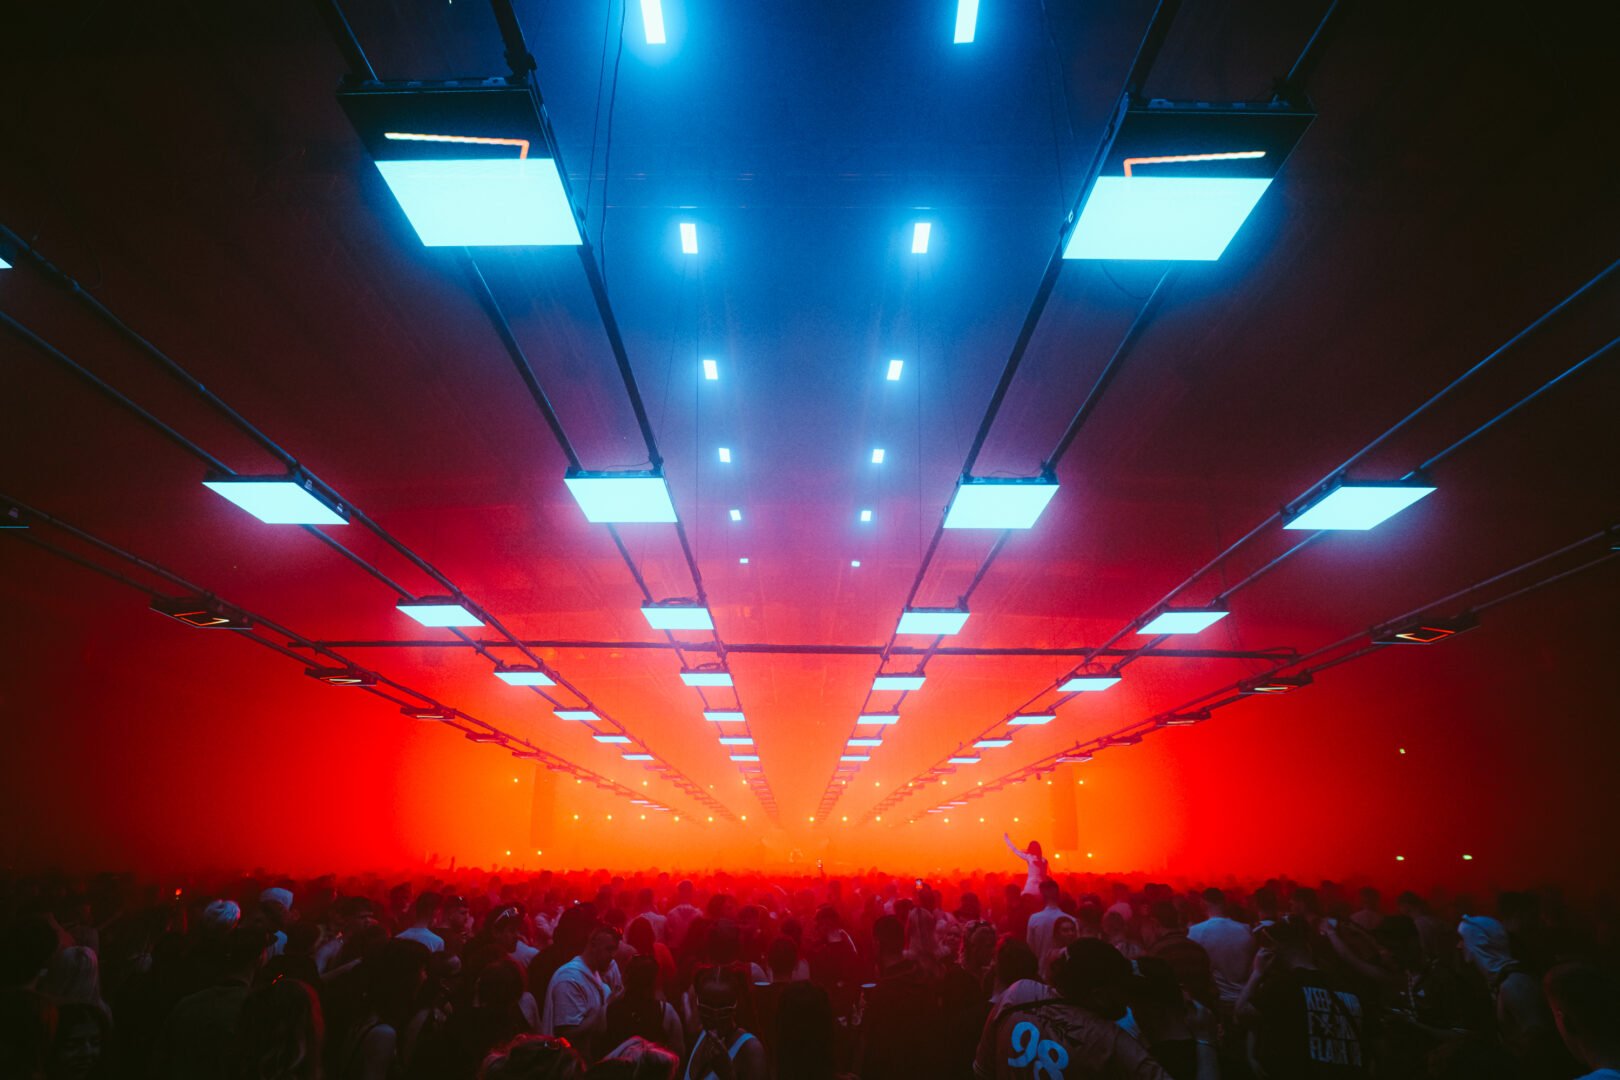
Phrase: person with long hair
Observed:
(280, 1032)
(641, 1011)
(1034, 862)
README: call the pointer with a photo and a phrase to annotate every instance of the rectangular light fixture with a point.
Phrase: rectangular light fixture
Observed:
(292, 499)
(1179, 180)
(744, 757)
(919, 237)
(1182, 621)
(706, 678)
(636, 757)
(743, 561)
(202, 612)
(1073, 759)
(934, 621)
(1029, 719)
(855, 757)
(1275, 684)
(865, 742)
(652, 21)
(1185, 719)
(688, 237)
(1121, 740)
(735, 514)
(342, 676)
(617, 740)
(895, 368)
(428, 712)
(11, 517)
(483, 202)
(586, 715)
(991, 744)
(854, 564)
(1357, 506)
(439, 611)
(4, 265)
(677, 616)
(898, 682)
(485, 737)
(723, 716)
(621, 498)
(736, 740)
(877, 455)
(467, 161)
(1089, 684)
(967, 20)
(964, 760)
(711, 370)
(877, 719)
(523, 675)
(866, 515)
(999, 504)
(725, 455)
(1424, 631)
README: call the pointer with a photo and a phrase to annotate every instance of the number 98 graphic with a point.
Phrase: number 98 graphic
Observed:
(1048, 1059)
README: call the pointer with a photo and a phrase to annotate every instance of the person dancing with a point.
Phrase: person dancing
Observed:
(1034, 860)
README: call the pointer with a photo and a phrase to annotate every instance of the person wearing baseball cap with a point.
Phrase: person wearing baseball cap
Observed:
(1073, 1035)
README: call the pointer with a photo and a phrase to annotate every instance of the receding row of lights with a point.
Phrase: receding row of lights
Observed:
(652, 23)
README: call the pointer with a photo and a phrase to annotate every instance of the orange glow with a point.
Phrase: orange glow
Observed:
(1176, 159)
(408, 136)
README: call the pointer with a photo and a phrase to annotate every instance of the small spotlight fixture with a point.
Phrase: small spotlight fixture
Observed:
(1276, 684)
(877, 455)
(523, 675)
(11, 517)
(1089, 684)
(342, 676)
(1182, 621)
(999, 504)
(919, 237)
(855, 564)
(1356, 506)
(202, 612)
(743, 561)
(677, 616)
(711, 370)
(293, 499)
(865, 516)
(688, 236)
(933, 621)
(735, 514)
(621, 498)
(725, 455)
(1425, 631)
(438, 611)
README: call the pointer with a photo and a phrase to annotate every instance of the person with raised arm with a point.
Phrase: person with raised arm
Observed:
(1034, 860)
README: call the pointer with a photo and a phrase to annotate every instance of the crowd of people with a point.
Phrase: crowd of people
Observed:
(463, 974)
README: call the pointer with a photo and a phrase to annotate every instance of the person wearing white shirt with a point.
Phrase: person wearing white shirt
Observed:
(1033, 860)
(427, 909)
(578, 996)
(1039, 934)
(1230, 945)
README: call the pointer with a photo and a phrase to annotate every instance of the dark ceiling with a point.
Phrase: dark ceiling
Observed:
(188, 163)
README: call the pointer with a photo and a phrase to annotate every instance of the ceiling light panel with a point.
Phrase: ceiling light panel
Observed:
(706, 678)
(932, 621)
(517, 675)
(280, 500)
(1357, 506)
(439, 611)
(1182, 621)
(1089, 684)
(999, 504)
(898, 682)
(677, 617)
(621, 498)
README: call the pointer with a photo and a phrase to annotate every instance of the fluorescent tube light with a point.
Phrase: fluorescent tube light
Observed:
(677, 616)
(1357, 506)
(934, 621)
(711, 370)
(1182, 621)
(439, 611)
(621, 498)
(688, 238)
(522, 675)
(706, 678)
(280, 500)
(652, 21)
(877, 455)
(967, 21)
(1089, 684)
(919, 237)
(895, 368)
